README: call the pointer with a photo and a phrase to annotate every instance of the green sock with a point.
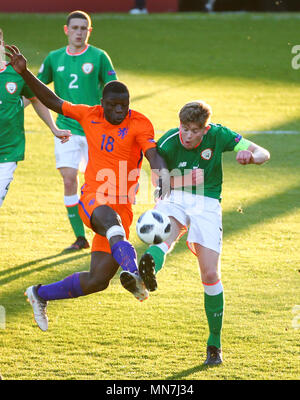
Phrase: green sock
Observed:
(214, 307)
(158, 255)
(75, 220)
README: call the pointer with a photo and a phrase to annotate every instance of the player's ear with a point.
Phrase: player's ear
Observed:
(66, 29)
(90, 30)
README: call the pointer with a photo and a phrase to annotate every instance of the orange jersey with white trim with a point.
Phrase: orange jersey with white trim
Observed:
(115, 151)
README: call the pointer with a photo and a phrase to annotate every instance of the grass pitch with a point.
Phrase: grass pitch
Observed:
(241, 65)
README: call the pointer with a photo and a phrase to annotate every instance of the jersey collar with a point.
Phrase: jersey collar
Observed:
(77, 54)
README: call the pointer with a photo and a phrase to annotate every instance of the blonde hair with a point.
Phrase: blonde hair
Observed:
(197, 111)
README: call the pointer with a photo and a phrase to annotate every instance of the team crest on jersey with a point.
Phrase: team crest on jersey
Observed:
(87, 68)
(11, 87)
(206, 154)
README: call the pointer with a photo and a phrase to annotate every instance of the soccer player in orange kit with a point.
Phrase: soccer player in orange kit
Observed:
(117, 137)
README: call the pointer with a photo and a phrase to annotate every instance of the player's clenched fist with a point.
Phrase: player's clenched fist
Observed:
(17, 60)
(244, 157)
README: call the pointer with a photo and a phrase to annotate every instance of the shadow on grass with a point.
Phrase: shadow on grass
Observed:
(43, 267)
(190, 371)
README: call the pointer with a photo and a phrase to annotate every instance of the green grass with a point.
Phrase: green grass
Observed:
(241, 65)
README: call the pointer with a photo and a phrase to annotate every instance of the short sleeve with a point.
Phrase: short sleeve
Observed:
(28, 93)
(229, 139)
(145, 134)
(74, 111)
(107, 72)
(45, 72)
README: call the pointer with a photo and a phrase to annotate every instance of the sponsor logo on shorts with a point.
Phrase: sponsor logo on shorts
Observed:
(11, 87)
(87, 68)
(206, 154)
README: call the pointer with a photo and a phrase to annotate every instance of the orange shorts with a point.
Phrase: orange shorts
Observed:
(88, 203)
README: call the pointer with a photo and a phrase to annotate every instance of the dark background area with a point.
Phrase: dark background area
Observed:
(242, 5)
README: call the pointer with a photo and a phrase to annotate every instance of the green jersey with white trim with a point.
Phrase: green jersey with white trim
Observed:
(12, 137)
(206, 156)
(78, 78)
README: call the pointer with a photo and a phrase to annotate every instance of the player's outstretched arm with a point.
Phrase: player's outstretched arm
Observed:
(159, 168)
(43, 93)
(253, 155)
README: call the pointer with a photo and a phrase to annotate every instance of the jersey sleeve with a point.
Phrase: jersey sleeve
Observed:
(74, 111)
(45, 72)
(229, 139)
(106, 72)
(28, 93)
(145, 134)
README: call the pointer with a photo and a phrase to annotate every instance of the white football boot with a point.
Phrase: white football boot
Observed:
(39, 307)
(134, 284)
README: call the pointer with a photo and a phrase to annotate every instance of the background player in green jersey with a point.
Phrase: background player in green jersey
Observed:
(79, 72)
(193, 154)
(14, 95)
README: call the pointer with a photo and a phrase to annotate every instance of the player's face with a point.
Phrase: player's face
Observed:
(191, 134)
(78, 32)
(115, 106)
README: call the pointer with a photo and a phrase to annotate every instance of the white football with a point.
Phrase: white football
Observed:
(153, 227)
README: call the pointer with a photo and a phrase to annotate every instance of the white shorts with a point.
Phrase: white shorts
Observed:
(201, 215)
(73, 154)
(6, 176)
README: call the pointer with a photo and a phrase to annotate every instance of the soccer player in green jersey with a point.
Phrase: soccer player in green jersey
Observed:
(79, 72)
(14, 95)
(193, 154)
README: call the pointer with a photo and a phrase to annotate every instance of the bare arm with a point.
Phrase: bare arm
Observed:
(45, 115)
(253, 155)
(43, 93)
(160, 170)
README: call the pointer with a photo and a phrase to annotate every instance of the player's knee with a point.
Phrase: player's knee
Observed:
(103, 218)
(210, 276)
(97, 285)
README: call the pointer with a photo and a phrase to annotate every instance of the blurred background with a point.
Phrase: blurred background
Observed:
(152, 6)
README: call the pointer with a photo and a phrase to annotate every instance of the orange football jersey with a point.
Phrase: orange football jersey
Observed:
(115, 151)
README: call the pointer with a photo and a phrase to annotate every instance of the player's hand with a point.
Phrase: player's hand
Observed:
(164, 183)
(244, 157)
(17, 60)
(62, 134)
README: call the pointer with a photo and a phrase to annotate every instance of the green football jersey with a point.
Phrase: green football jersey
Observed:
(207, 156)
(12, 137)
(78, 78)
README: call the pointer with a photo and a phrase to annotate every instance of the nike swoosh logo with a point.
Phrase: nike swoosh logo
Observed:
(96, 122)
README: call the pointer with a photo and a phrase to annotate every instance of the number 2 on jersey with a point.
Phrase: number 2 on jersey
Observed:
(73, 81)
(107, 143)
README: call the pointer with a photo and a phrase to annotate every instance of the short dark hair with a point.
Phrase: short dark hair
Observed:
(197, 111)
(79, 14)
(115, 87)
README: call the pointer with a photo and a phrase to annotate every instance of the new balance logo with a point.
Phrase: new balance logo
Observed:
(61, 68)
(182, 164)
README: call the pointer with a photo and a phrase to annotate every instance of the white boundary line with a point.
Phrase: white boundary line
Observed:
(272, 132)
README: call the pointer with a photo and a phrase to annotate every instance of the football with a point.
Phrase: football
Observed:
(153, 227)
